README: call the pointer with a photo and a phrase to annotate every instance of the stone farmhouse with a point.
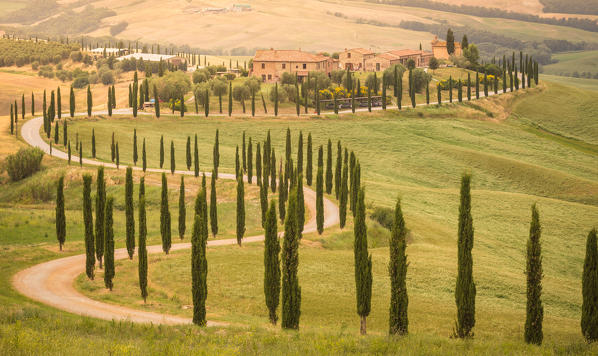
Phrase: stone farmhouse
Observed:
(439, 49)
(385, 60)
(355, 58)
(270, 64)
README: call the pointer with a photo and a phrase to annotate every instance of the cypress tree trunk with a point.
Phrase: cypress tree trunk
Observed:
(249, 162)
(165, 216)
(195, 158)
(144, 156)
(90, 259)
(291, 292)
(182, 211)
(213, 207)
(363, 264)
(258, 165)
(329, 168)
(534, 309)
(109, 245)
(272, 263)
(60, 216)
(397, 269)
(240, 210)
(188, 153)
(320, 201)
(142, 251)
(100, 210)
(344, 192)
(465, 290)
(589, 290)
(309, 164)
(172, 161)
(130, 212)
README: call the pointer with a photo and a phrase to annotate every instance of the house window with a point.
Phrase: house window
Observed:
(263, 65)
(284, 65)
(304, 66)
(263, 77)
(349, 55)
(269, 76)
(377, 67)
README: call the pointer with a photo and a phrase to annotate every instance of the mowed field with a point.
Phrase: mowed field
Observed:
(570, 62)
(418, 155)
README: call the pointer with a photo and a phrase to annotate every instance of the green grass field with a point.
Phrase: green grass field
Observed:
(571, 62)
(538, 154)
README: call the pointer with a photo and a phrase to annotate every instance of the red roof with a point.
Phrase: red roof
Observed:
(361, 50)
(406, 52)
(286, 55)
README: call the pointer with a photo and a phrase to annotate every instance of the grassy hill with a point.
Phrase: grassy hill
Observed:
(574, 62)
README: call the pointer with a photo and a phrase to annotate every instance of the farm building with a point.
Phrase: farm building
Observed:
(270, 64)
(354, 58)
(151, 57)
(439, 49)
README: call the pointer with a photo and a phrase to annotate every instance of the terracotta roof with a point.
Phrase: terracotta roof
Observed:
(387, 55)
(361, 50)
(286, 55)
(406, 52)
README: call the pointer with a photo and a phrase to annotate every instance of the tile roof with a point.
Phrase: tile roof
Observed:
(286, 55)
(361, 50)
(406, 52)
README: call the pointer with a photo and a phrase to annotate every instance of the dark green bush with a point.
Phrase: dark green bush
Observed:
(23, 163)
(384, 216)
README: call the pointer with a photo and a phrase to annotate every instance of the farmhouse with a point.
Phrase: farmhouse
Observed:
(384, 60)
(100, 51)
(439, 49)
(151, 57)
(270, 64)
(355, 58)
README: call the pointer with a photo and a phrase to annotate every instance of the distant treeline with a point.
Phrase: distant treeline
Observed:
(583, 24)
(588, 7)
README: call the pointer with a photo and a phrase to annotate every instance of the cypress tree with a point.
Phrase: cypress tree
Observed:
(534, 308)
(504, 81)
(182, 210)
(465, 290)
(142, 251)
(468, 86)
(252, 102)
(291, 292)
(329, 168)
(263, 203)
(244, 154)
(485, 85)
(230, 98)
(249, 161)
(130, 213)
(206, 105)
(297, 97)
(172, 162)
(64, 133)
(399, 86)
(23, 104)
(195, 158)
(450, 42)
(80, 153)
(276, 99)
(199, 270)
(300, 153)
(144, 156)
(337, 172)
(69, 152)
(363, 263)
(477, 85)
(320, 201)
(383, 94)
(397, 269)
(237, 164)
(258, 165)
(344, 193)
(272, 263)
(589, 290)
(273, 171)
(240, 210)
(156, 102)
(58, 104)
(135, 154)
(134, 95)
(282, 193)
(439, 95)
(89, 100)
(213, 206)
(130, 96)
(112, 148)
(109, 245)
(161, 151)
(183, 105)
(460, 91)
(93, 143)
(71, 102)
(300, 205)
(352, 182)
(165, 217)
(308, 167)
(188, 153)
(90, 259)
(12, 121)
(356, 184)
(56, 133)
(60, 216)
(216, 154)
(117, 156)
(100, 210)
(109, 102)
(33, 102)
(369, 99)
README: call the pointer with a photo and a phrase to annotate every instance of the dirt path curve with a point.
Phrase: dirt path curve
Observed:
(52, 282)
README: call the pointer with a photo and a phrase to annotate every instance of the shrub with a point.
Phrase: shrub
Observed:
(35, 65)
(64, 75)
(81, 82)
(282, 94)
(384, 216)
(287, 78)
(200, 76)
(23, 163)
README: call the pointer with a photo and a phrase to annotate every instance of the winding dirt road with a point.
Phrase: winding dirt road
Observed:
(52, 282)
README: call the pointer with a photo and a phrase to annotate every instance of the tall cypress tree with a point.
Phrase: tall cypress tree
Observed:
(273, 171)
(282, 193)
(534, 309)
(56, 133)
(309, 164)
(291, 292)
(477, 85)
(165, 217)
(263, 203)
(397, 269)
(249, 161)
(465, 290)
(12, 121)
(216, 154)
(237, 164)
(100, 210)
(300, 153)
(468, 86)
(230, 98)
(338, 170)
(240, 210)
(58, 105)
(244, 154)
(344, 192)
(195, 158)
(109, 245)
(90, 259)
(199, 269)
(60, 216)
(33, 101)
(258, 165)
(363, 264)
(109, 106)
(213, 207)
(172, 161)
(329, 168)
(112, 148)
(300, 205)
(188, 153)
(143, 156)
(89, 101)
(135, 154)
(93, 143)
(161, 151)
(320, 201)
(589, 290)
(71, 102)
(64, 133)
(182, 210)
(450, 42)
(156, 102)
(117, 155)
(142, 250)
(130, 213)
(272, 263)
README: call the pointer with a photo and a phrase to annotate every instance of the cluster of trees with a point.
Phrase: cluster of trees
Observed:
(569, 7)
(22, 52)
